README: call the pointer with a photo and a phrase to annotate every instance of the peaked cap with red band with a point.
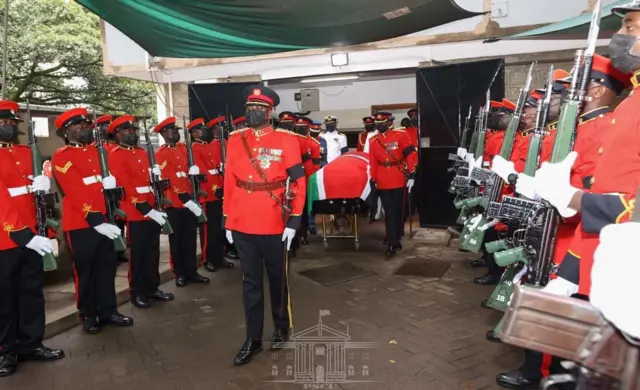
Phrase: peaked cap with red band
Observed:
(104, 120)
(168, 123)
(238, 121)
(261, 96)
(124, 121)
(534, 96)
(494, 105)
(603, 72)
(367, 120)
(412, 112)
(72, 116)
(9, 110)
(304, 121)
(287, 116)
(196, 123)
(382, 117)
(508, 105)
(216, 121)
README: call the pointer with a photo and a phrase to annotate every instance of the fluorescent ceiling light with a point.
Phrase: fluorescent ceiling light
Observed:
(210, 81)
(326, 79)
(339, 59)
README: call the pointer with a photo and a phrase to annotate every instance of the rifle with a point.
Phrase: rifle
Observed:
(44, 201)
(158, 185)
(112, 197)
(463, 142)
(194, 179)
(223, 140)
(575, 330)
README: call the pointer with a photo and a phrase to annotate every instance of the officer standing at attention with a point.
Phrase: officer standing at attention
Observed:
(260, 217)
(89, 236)
(129, 164)
(336, 142)
(369, 126)
(183, 212)
(392, 160)
(22, 322)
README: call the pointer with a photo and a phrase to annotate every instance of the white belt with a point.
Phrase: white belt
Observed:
(144, 190)
(181, 174)
(213, 171)
(92, 180)
(17, 191)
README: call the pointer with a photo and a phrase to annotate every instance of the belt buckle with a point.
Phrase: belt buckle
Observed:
(249, 187)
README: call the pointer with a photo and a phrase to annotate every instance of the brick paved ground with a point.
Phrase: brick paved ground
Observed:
(429, 332)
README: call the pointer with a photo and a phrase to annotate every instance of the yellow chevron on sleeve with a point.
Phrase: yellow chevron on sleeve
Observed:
(164, 164)
(65, 168)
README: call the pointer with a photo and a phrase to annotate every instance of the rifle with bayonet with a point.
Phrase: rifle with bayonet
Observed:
(45, 200)
(194, 179)
(457, 160)
(159, 185)
(112, 196)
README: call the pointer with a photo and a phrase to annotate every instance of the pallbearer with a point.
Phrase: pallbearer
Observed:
(129, 164)
(183, 212)
(260, 217)
(369, 126)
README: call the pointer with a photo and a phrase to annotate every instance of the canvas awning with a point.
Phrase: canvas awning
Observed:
(220, 29)
(575, 28)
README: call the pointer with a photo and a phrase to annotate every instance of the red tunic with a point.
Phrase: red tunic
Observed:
(174, 166)
(362, 140)
(390, 155)
(208, 158)
(412, 133)
(130, 167)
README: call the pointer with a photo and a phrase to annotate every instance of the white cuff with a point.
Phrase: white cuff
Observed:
(181, 174)
(143, 190)
(213, 171)
(91, 180)
(17, 191)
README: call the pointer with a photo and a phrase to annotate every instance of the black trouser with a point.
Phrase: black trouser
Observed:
(492, 268)
(183, 241)
(22, 301)
(257, 252)
(392, 203)
(211, 235)
(302, 230)
(144, 260)
(94, 267)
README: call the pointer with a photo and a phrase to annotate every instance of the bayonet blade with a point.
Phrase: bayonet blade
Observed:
(549, 91)
(594, 28)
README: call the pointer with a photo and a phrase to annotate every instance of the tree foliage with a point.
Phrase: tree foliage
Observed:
(55, 58)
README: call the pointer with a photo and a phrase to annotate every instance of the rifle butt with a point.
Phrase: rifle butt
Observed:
(49, 262)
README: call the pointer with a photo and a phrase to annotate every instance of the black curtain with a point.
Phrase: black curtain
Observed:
(211, 100)
(444, 96)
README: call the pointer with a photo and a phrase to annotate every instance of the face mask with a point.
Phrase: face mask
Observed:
(493, 122)
(256, 118)
(302, 130)
(85, 136)
(171, 138)
(330, 126)
(370, 127)
(8, 133)
(414, 122)
(286, 125)
(620, 53)
(383, 127)
(130, 139)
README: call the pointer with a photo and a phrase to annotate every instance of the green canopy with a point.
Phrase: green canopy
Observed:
(235, 28)
(575, 28)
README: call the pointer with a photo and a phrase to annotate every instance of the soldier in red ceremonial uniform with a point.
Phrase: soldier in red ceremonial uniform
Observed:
(287, 120)
(239, 123)
(412, 129)
(183, 212)
(90, 237)
(22, 322)
(260, 217)
(207, 154)
(369, 126)
(593, 126)
(129, 164)
(393, 162)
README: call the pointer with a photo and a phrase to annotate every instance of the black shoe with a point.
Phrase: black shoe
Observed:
(487, 280)
(42, 354)
(385, 242)
(141, 302)
(227, 264)
(210, 267)
(392, 250)
(90, 325)
(493, 337)
(478, 263)
(248, 350)
(197, 278)
(312, 230)
(117, 319)
(279, 338)
(515, 380)
(8, 365)
(181, 282)
(161, 296)
(304, 241)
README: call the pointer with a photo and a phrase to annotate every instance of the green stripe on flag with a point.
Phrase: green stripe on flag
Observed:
(312, 192)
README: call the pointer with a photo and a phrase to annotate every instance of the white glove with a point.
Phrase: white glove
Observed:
(288, 236)
(109, 182)
(40, 244)
(461, 152)
(108, 230)
(502, 167)
(41, 183)
(614, 275)
(221, 169)
(410, 184)
(229, 236)
(55, 246)
(194, 208)
(469, 158)
(194, 170)
(156, 171)
(526, 186)
(160, 218)
(552, 183)
(561, 287)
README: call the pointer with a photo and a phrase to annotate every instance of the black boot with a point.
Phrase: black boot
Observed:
(279, 338)
(161, 296)
(392, 250)
(117, 319)
(231, 253)
(181, 281)
(227, 264)
(197, 278)
(478, 263)
(8, 365)
(515, 380)
(42, 354)
(249, 349)
(90, 325)
(487, 280)
(210, 267)
(141, 302)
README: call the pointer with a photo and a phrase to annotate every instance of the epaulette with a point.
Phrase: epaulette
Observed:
(400, 129)
(238, 131)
